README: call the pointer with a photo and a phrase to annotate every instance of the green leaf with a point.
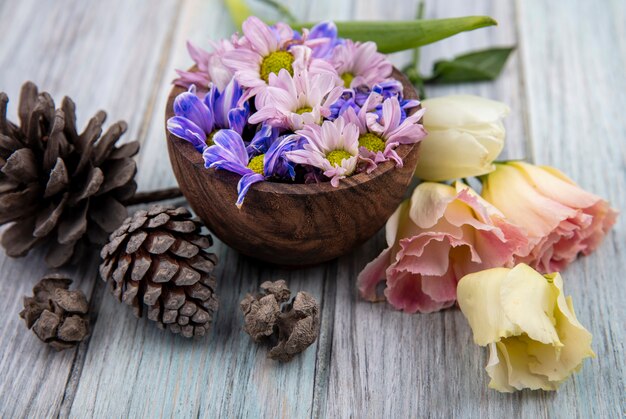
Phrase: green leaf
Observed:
(481, 65)
(401, 35)
(389, 36)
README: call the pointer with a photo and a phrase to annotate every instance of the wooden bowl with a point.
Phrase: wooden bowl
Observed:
(292, 224)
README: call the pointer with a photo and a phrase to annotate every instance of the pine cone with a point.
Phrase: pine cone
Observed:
(57, 185)
(57, 315)
(292, 328)
(156, 258)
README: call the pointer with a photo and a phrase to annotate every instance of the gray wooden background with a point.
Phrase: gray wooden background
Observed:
(566, 86)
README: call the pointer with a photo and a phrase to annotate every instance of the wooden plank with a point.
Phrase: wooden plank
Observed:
(574, 58)
(386, 363)
(80, 49)
(133, 369)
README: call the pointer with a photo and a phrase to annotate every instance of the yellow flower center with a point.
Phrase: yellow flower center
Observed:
(304, 109)
(347, 79)
(276, 61)
(335, 157)
(209, 138)
(372, 142)
(256, 164)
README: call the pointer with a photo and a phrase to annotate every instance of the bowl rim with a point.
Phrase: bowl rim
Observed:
(188, 151)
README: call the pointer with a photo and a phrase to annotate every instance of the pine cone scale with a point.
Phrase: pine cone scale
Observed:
(18, 239)
(21, 166)
(165, 267)
(141, 265)
(104, 147)
(48, 219)
(59, 179)
(73, 224)
(92, 184)
(117, 173)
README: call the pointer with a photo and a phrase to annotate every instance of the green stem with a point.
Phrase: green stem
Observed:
(415, 61)
(509, 161)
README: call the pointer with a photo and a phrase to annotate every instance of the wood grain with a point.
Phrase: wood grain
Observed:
(225, 374)
(563, 85)
(67, 48)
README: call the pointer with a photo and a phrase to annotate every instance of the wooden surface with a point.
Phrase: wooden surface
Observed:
(565, 85)
(294, 225)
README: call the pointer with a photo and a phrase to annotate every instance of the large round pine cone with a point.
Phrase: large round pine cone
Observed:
(156, 262)
(57, 315)
(57, 184)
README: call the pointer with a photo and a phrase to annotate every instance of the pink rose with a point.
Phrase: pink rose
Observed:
(560, 219)
(441, 234)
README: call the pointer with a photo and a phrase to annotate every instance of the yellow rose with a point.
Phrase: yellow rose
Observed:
(465, 136)
(534, 338)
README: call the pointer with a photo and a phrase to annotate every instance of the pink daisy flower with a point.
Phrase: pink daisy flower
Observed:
(380, 135)
(332, 147)
(264, 50)
(211, 68)
(360, 64)
(293, 102)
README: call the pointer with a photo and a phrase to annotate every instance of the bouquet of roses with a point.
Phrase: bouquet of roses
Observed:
(278, 104)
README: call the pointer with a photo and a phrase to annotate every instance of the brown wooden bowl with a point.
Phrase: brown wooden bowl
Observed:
(292, 224)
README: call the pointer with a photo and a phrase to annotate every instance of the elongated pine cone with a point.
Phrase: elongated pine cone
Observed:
(56, 184)
(291, 329)
(156, 262)
(57, 315)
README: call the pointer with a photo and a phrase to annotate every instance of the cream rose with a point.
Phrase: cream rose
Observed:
(534, 338)
(465, 136)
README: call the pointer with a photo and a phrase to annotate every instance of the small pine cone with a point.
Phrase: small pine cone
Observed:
(293, 328)
(57, 315)
(156, 261)
(58, 185)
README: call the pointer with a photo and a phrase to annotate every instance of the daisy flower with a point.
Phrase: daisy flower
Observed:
(265, 50)
(332, 147)
(229, 153)
(359, 63)
(380, 135)
(327, 32)
(210, 68)
(293, 102)
(197, 120)
(356, 97)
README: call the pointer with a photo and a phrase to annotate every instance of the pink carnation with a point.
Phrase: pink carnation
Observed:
(441, 234)
(561, 219)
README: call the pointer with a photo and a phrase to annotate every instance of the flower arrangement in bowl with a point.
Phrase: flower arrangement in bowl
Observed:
(293, 147)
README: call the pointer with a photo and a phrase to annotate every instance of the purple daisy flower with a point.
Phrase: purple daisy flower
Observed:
(356, 97)
(379, 136)
(197, 120)
(326, 31)
(265, 136)
(229, 153)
